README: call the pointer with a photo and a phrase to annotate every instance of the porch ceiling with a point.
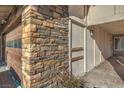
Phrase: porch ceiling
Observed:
(4, 13)
(114, 27)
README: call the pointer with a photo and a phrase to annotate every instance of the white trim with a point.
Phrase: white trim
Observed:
(70, 45)
(94, 42)
(114, 18)
(85, 48)
(77, 20)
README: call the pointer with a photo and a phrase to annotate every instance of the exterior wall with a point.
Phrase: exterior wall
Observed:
(44, 52)
(45, 45)
(11, 32)
(98, 42)
(14, 54)
(97, 14)
(101, 42)
(90, 52)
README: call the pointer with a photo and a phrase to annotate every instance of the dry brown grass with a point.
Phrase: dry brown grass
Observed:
(72, 82)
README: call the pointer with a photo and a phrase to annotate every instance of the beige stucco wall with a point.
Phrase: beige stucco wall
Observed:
(98, 47)
(99, 14)
(89, 51)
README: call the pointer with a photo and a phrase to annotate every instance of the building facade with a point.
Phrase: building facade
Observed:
(41, 44)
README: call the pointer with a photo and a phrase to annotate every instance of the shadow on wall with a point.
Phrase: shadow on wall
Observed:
(99, 46)
(117, 63)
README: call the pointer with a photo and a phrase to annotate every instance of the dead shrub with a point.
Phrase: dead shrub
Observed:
(72, 82)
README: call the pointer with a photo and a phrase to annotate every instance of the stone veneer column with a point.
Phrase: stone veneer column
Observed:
(26, 45)
(45, 47)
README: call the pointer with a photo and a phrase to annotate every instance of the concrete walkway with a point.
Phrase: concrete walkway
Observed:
(109, 74)
(6, 80)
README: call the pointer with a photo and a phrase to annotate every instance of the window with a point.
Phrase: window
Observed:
(122, 44)
(119, 43)
(17, 43)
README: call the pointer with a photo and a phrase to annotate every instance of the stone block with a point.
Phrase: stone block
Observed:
(42, 41)
(30, 7)
(36, 21)
(44, 32)
(45, 11)
(26, 40)
(36, 76)
(30, 27)
(60, 11)
(35, 34)
(56, 15)
(40, 17)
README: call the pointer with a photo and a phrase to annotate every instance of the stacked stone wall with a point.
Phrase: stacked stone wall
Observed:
(45, 45)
